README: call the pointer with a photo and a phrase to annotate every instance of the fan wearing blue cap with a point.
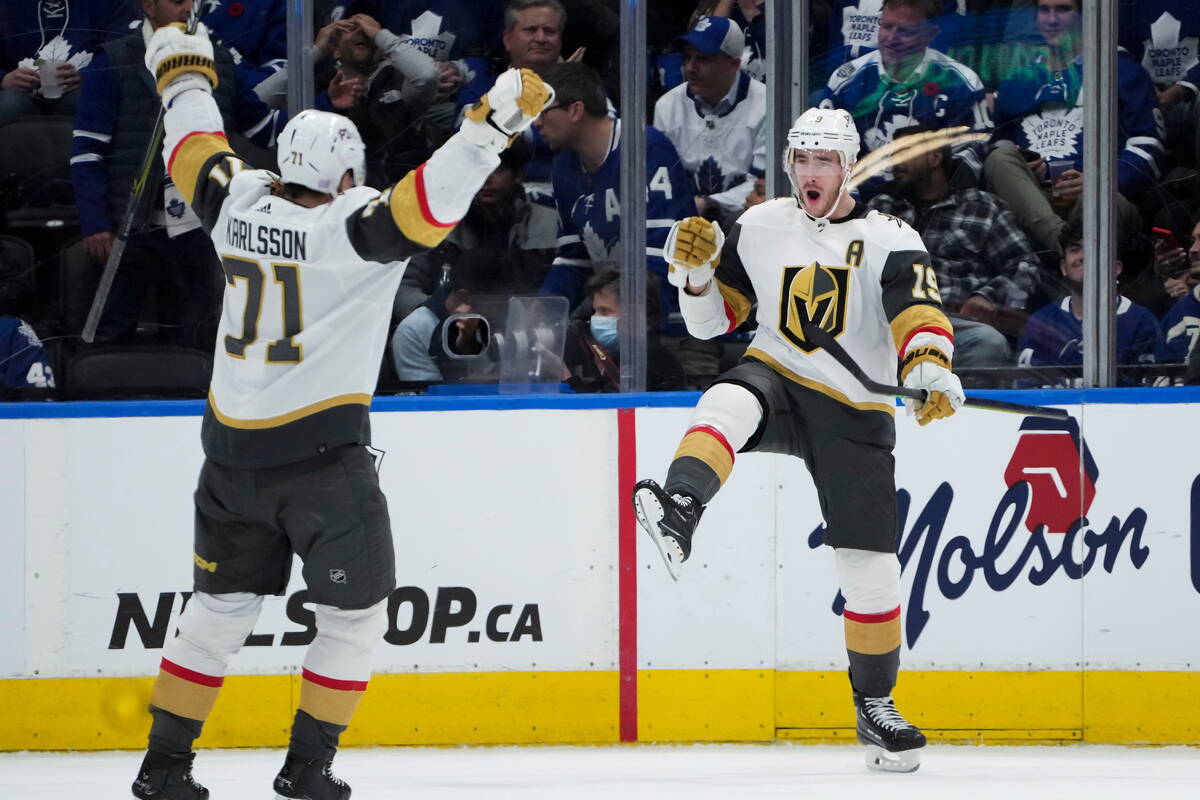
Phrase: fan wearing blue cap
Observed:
(715, 119)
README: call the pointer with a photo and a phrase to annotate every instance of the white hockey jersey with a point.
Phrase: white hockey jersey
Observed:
(309, 291)
(722, 149)
(866, 279)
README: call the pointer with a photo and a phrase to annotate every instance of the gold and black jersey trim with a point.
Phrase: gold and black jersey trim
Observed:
(291, 416)
(397, 224)
(202, 166)
(733, 282)
(285, 439)
(817, 386)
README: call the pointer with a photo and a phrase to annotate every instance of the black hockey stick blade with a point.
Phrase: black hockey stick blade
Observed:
(819, 336)
(136, 192)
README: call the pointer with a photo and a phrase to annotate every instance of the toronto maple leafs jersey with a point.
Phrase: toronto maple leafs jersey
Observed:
(1041, 109)
(309, 291)
(589, 213)
(854, 29)
(1180, 327)
(1164, 35)
(722, 148)
(450, 30)
(65, 30)
(23, 359)
(940, 93)
(1053, 336)
(866, 279)
(253, 31)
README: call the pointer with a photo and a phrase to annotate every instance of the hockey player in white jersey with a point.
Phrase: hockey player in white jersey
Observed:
(310, 266)
(820, 258)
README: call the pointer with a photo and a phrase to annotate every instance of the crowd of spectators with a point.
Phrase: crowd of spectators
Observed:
(999, 216)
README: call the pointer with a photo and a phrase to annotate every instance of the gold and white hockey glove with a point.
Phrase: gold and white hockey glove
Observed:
(927, 368)
(509, 108)
(692, 251)
(180, 61)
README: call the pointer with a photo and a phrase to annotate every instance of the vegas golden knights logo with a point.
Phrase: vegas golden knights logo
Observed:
(816, 294)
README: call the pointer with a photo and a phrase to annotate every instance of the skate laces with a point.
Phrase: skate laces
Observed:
(328, 770)
(882, 711)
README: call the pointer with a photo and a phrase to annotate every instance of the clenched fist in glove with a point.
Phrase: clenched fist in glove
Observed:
(509, 107)
(180, 61)
(927, 368)
(692, 251)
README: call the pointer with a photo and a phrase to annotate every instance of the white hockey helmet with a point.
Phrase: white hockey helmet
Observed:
(822, 129)
(317, 147)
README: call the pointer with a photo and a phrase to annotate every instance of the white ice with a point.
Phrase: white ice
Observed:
(696, 772)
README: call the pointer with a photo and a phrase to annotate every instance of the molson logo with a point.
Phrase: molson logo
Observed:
(1035, 530)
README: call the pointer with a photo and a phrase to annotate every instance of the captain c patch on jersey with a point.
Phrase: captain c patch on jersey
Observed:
(815, 293)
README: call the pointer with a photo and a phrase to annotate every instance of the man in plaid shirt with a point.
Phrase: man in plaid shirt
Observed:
(985, 263)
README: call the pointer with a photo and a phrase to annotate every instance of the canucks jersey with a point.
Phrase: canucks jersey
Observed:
(1180, 327)
(866, 279)
(939, 93)
(589, 213)
(309, 291)
(1053, 336)
(722, 148)
(1041, 109)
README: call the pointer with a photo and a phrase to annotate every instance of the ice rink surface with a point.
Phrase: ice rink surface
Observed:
(695, 772)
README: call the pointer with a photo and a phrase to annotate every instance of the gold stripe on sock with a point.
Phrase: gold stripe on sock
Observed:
(183, 697)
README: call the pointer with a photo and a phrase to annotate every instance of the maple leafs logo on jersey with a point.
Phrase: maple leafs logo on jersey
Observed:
(598, 250)
(709, 177)
(816, 294)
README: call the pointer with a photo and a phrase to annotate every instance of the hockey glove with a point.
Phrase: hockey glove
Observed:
(180, 61)
(509, 107)
(927, 368)
(692, 251)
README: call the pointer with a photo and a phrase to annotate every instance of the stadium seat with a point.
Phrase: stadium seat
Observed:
(141, 371)
(35, 173)
(17, 279)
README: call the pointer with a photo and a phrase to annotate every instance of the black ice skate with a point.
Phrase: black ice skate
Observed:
(304, 779)
(164, 777)
(893, 743)
(669, 519)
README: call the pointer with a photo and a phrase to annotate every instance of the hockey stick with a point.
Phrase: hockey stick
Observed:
(822, 338)
(153, 151)
(900, 150)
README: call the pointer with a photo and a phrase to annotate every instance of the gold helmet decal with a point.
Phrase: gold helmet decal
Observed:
(813, 294)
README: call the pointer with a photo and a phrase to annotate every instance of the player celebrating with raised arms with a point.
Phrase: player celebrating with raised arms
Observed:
(817, 258)
(309, 265)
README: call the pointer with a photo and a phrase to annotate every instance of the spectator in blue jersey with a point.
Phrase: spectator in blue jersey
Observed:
(48, 42)
(905, 82)
(717, 119)
(1037, 161)
(501, 220)
(1164, 35)
(253, 31)
(1053, 337)
(587, 184)
(23, 360)
(461, 38)
(853, 30)
(986, 268)
(117, 110)
(1181, 324)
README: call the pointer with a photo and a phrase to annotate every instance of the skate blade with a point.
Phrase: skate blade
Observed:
(880, 760)
(649, 513)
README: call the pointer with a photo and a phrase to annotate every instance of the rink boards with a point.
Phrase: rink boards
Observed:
(1051, 580)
